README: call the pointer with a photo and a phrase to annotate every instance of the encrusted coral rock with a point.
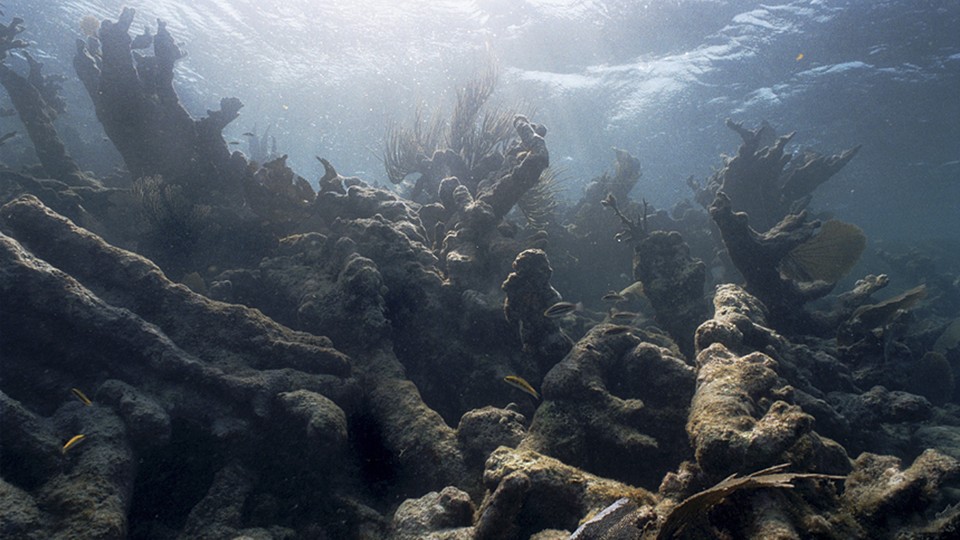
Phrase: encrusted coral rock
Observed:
(211, 370)
(739, 419)
(529, 492)
(886, 498)
(470, 248)
(139, 109)
(146, 420)
(673, 281)
(446, 515)
(325, 423)
(421, 446)
(529, 294)
(614, 406)
(482, 431)
(100, 475)
(19, 515)
(220, 514)
(739, 324)
(744, 415)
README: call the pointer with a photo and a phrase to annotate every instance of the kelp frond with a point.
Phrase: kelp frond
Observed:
(693, 509)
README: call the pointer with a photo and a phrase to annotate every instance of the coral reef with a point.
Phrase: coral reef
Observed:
(466, 247)
(673, 281)
(36, 99)
(343, 361)
(883, 497)
(547, 493)
(135, 100)
(529, 294)
(447, 514)
(764, 181)
(469, 145)
(741, 414)
(615, 406)
(768, 262)
(592, 231)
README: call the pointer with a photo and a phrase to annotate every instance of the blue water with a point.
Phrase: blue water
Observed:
(654, 78)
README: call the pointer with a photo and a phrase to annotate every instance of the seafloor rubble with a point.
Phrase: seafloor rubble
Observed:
(210, 348)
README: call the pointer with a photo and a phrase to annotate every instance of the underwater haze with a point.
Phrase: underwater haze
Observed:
(654, 78)
(479, 269)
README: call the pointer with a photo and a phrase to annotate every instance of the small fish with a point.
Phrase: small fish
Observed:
(617, 330)
(81, 396)
(234, 142)
(624, 315)
(522, 384)
(799, 57)
(75, 440)
(613, 296)
(560, 309)
(248, 134)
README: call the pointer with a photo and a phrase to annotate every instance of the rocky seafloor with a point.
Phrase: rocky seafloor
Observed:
(206, 346)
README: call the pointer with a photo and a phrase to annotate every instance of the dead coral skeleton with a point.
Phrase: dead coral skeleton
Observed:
(634, 229)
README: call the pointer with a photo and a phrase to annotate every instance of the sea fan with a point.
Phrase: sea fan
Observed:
(828, 256)
(879, 314)
(695, 508)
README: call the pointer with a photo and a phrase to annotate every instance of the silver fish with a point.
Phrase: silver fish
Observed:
(617, 330)
(560, 309)
(613, 296)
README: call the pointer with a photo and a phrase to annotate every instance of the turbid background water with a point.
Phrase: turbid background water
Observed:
(654, 78)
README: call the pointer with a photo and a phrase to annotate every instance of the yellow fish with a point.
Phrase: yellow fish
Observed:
(799, 57)
(75, 440)
(522, 384)
(81, 396)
